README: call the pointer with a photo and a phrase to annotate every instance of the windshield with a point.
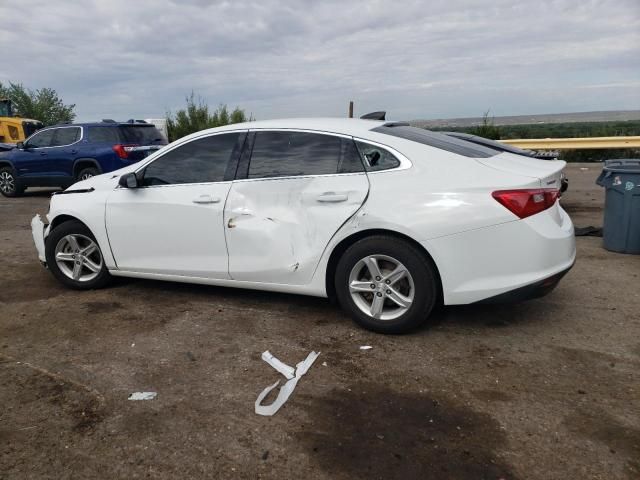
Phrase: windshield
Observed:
(141, 135)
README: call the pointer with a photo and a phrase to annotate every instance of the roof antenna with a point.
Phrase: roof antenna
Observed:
(374, 116)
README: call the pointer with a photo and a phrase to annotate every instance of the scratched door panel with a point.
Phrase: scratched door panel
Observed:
(278, 228)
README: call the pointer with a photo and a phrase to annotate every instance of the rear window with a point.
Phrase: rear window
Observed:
(503, 147)
(141, 135)
(438, 140)
(104, 135)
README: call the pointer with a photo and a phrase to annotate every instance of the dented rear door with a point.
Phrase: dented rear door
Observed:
(299, 189)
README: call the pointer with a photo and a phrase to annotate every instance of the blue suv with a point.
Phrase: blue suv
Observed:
(64, 154)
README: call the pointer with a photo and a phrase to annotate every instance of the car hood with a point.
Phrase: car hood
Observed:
(106, 181)
(5, 147)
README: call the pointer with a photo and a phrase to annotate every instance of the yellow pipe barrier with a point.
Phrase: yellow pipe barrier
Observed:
(575, 143)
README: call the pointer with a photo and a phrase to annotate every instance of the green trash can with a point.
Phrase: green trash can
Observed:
(621, 230)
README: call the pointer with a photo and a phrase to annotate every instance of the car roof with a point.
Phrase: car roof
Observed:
(346, 126)
(103, 124)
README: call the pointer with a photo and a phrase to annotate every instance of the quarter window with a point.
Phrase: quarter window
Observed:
(200, 161)
(286, 154)
(376, 158)
(65, 136)
(41, 139)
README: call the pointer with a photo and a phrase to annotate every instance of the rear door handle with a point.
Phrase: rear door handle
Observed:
(43, 153)
(206, 199)
(332, 197)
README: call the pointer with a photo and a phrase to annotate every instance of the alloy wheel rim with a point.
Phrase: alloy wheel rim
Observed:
(381, 287)
(78, 257)
(86, 176)
(7, 182)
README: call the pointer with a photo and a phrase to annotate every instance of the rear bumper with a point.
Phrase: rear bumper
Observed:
(485, 263)
(529, 292)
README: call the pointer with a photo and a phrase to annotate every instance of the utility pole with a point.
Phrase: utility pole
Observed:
(351, 109)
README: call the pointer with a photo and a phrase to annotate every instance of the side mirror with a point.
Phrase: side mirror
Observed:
(128, 180)
(20, 146)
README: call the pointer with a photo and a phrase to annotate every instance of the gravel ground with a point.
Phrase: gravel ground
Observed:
(546, 389)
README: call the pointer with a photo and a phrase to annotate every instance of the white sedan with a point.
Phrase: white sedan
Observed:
(387, 218)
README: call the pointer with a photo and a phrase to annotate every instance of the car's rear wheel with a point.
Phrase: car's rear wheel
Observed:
(9, 184)
(87, 173)
(386, 284)
(74, 257)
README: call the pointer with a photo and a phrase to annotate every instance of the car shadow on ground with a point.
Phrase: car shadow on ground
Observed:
(465, 316)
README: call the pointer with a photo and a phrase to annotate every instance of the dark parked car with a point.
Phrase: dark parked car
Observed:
(64, 154)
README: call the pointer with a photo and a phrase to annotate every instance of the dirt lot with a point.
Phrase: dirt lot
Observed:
(547, 389)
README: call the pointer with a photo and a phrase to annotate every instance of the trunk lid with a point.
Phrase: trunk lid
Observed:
(548, 172)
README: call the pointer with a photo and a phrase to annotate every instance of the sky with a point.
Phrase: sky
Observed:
(431, 59)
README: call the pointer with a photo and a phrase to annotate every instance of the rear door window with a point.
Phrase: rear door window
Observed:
(201, 160)
(41, 139)
(65, 136)
(287, 154)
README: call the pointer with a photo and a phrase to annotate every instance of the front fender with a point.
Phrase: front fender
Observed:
(90, 210)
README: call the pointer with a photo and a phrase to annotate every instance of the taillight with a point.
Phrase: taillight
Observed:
(123, 150)
(527, 202)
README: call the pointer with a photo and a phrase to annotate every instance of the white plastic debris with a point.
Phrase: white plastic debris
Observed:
(292, 375)
(366, 347)
(143, 396)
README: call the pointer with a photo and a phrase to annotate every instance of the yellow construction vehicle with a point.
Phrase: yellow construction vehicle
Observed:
(14, 129)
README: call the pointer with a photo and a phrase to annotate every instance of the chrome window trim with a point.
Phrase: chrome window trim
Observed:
(405, 163)
(178, 143)
(173, 147)
(300, 130)
(118, 187)
(56, 128)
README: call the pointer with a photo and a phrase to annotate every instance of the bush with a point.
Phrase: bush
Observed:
(196, 117)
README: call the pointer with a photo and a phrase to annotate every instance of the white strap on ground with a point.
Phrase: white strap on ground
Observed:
(287, 389)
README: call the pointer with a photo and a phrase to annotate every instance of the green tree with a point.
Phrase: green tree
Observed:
(196, 117)
(487, 129)
(43, 104)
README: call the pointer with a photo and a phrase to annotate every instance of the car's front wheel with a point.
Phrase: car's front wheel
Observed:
(74, 257)
(9, 184)
(386, 284)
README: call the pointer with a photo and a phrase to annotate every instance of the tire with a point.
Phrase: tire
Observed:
(420, 286)
(92, 272)
(10, 186)
(87, 173)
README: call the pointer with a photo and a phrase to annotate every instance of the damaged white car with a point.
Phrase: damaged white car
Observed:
(386, 218)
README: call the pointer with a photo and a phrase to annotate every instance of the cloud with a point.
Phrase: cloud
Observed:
(416, 59)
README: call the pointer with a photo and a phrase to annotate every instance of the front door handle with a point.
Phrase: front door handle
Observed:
(43, 153)
(206, 199)
(332, 197)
